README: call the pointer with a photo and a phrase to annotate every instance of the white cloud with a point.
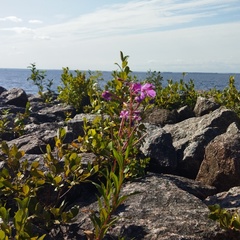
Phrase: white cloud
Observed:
(139, 16)
(35, 21)
(11, 19)
(19, 30)
(42, 37)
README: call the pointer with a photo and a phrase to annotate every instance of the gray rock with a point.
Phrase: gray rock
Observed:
(161, 117)
(60, 111)
(35, 143)
(196, 188)
(16, 97)
(229, 199)
(158, 147)
(221, 166)
(75, 125)
(185, 113)
(204, 106)
(158, 209)
(191, 136)
(2, 89)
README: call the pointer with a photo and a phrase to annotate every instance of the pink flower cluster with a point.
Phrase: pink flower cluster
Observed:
(124, 114)
(139, 92)
(143, 91)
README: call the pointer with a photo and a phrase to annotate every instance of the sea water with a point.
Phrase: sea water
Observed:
(11, 78)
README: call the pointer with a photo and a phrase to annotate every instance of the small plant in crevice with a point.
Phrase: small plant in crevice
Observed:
(20, 120)
(4, 122)
(44, 85)
(227, 220)
(12, 124)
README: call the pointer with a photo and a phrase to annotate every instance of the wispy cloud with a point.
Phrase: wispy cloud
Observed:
(42, 37)
(140, 16)
(11, 19)
(35, 21)
(19, 30)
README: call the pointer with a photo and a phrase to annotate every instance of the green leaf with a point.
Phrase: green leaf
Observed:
(35, 164)
(19, 218)
(121, 55)
(55, 211)
(61, 133)
(23, 204)
(4, 214)
(3, 235)
(8, 184)
(5, 148)
(103, 214)
(115, 179)
(5, 173)
(236, 223)
(48, 149)
(119, 158)
(25, 189)
(42, 237)
(57, 180)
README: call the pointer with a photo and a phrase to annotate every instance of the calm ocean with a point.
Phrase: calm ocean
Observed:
(10, 78)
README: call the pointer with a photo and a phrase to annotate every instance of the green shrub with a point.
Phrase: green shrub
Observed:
(21, 185)
(228, 97)
(77, 90)
(44, 85)
(176, 95)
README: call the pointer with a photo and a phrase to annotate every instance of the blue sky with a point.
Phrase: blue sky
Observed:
(161, 35)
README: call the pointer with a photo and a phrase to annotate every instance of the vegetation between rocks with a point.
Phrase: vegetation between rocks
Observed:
(114, 137)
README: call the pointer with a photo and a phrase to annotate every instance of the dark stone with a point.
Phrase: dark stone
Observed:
(16, 97)
(221, 165)
(158, 147)
(161, 117)
(2, 89)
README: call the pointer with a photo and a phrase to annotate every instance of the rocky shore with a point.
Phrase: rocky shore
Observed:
(194, 162)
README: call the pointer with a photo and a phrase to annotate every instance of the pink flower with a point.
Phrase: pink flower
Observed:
(148, 89)
(124, 114)
(106, 95)
(136, 116)
(143, 91)
(136, 87)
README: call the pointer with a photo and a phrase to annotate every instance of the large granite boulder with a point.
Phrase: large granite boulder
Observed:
(221, 165)
(191, 136)
(156, 209)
